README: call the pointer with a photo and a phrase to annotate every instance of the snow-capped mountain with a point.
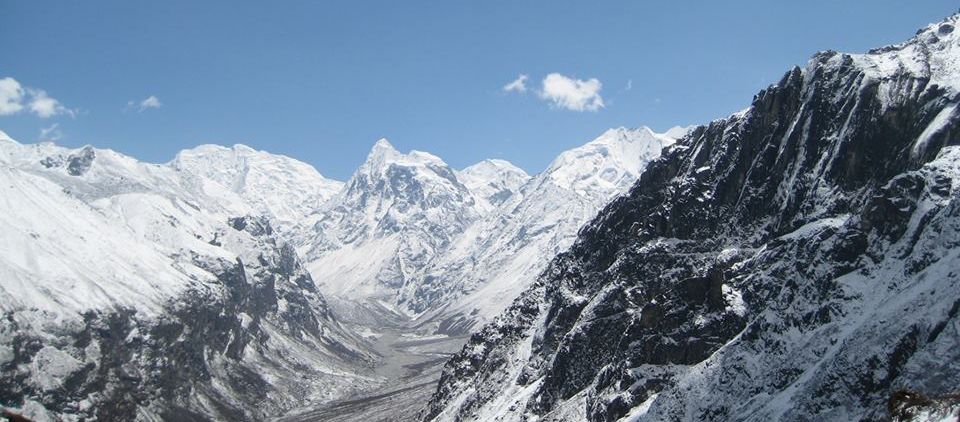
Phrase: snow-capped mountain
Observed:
(129, 293)
(286, 190)
(493, 181)
(795, 261)
(393, 216)
(501, 255)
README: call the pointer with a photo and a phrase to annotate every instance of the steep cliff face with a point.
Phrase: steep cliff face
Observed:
(795, 261)
(130, 294)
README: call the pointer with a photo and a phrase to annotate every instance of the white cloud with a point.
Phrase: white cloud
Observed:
(45, 106)
(150, 102)
(15, 98)
(11, 96)
(518, 85)
(572, 94)
(52, 133)
(147, 103)
(629, 85)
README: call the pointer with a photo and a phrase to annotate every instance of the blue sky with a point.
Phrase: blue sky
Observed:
(323, 80)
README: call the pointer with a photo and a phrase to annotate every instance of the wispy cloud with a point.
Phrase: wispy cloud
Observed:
(572, 94)
(517, 85)
(629, 85)
(15, 98)
(52, 133)
(147, 103)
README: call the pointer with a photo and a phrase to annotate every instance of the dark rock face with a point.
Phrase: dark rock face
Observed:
(75, 164)
(795, 261)
(221, 352)
(79, 163)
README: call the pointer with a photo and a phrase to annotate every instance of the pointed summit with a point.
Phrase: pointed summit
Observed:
(381, 153)
(383, 144)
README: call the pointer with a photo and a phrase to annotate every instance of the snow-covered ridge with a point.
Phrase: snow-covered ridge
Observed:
(285, 189)
(933, 53)
(91, 228)
(929, 59)
(383, 154)
(606, 162)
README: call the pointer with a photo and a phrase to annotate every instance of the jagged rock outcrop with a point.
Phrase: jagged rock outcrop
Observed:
(910, 406)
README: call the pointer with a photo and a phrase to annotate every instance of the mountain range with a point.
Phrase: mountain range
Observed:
(794, 261)
(198, 288)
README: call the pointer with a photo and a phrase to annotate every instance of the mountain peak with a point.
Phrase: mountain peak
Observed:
(493, 180)
(383, 155)
(244, 148)
(382, 146)
(492, 165)
(604, 164)
(678, 132)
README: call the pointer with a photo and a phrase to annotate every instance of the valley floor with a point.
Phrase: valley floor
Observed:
(410, 366)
